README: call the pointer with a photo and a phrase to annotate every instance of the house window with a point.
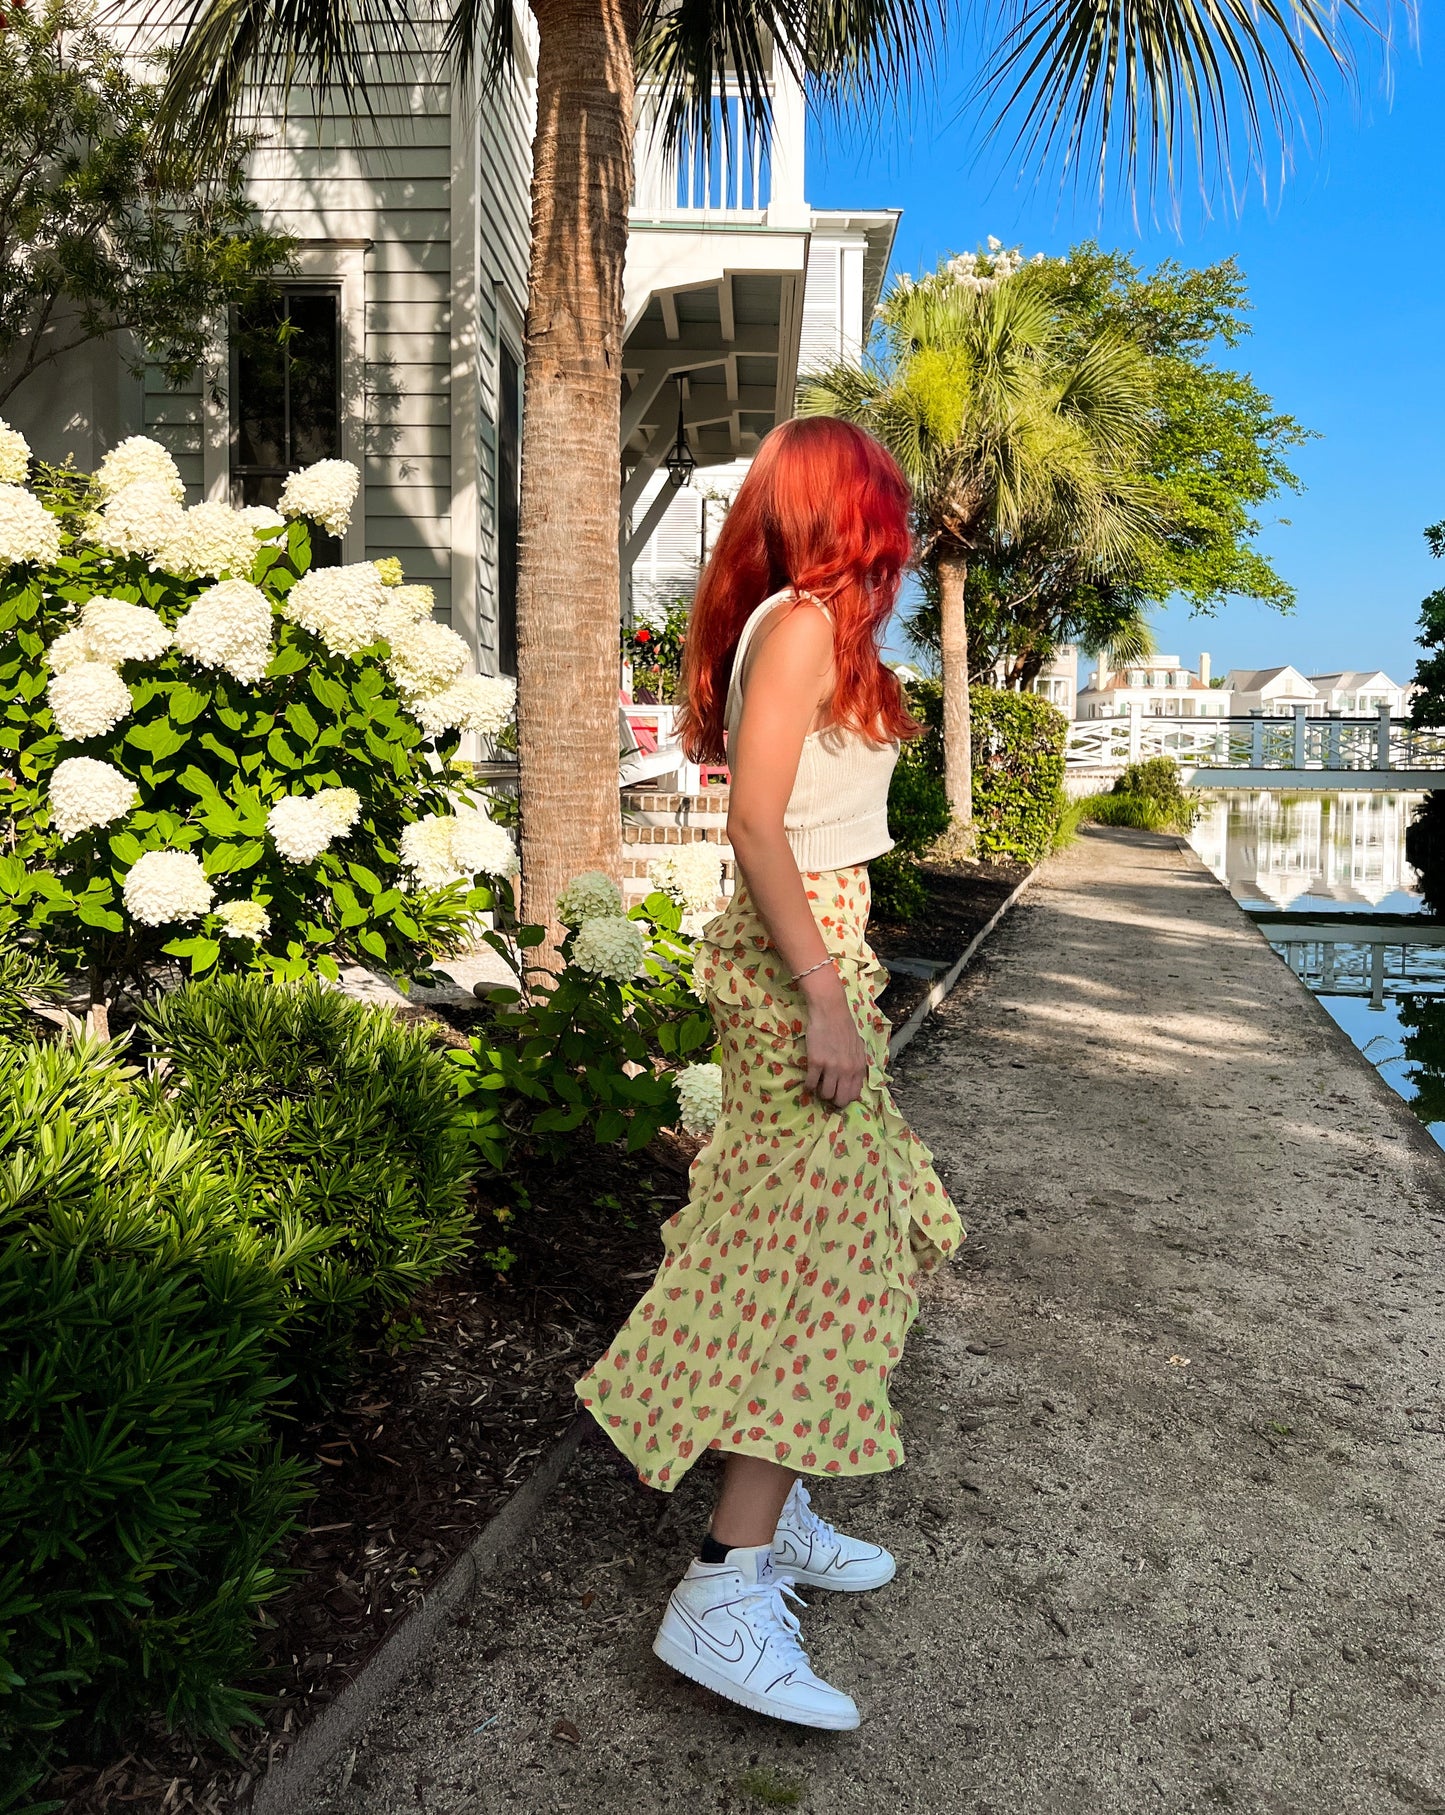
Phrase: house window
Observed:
(509, 466)
(286, 396)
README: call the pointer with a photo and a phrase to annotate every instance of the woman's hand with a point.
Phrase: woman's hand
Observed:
(837, 1059)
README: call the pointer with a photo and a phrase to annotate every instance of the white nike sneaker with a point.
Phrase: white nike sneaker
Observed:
(807, 1549)
(728, 1628)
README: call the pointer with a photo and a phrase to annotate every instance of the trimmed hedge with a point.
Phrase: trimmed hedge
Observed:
(1018, 772)
(172, 1251)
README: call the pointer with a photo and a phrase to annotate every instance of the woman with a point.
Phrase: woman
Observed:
(789, 1279)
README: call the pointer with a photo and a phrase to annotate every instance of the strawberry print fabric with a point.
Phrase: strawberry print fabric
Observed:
(789, 1278)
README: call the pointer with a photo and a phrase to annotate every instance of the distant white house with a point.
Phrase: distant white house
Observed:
(1273, 691)
(1359, 690)
(1160, 688)
(1059, 681)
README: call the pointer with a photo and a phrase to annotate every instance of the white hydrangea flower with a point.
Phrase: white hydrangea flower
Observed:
(610, 945)
(425, 656)
(699, 1096)
(456, 847)
(390, 569)
(302, 826)
(228, 626)
(162, 886)
(28, 532)
(117, 632)
(325, 492)
(138, 460)
(339, 605)
(342, 806)
(244, 919)
(138, 519)
(14, 455)
(477, 702)
(87, 700)
(68, 648)
(588, 896)
(85, 793)
(209, 541)
(416, 600)
(260, 517)
(480, 846)
(691, 874)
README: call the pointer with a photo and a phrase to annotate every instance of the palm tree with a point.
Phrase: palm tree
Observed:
(1134, 77)
(1011, 431)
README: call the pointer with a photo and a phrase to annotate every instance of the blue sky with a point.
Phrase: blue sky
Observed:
(1346, 266)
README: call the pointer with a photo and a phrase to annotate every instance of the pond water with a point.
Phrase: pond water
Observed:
(1325, 877)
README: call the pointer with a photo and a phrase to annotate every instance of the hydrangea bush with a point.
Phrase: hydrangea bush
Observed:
(218, 756)
(601, 1046)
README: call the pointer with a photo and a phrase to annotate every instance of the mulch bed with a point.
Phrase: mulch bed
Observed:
(961, 899)
(432, 1440)
(424, 1449)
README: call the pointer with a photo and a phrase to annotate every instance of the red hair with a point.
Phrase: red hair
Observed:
(824, 509)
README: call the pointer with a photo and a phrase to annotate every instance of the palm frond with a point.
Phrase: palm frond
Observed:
(692, 51)
(1154, 77)
(227, 46)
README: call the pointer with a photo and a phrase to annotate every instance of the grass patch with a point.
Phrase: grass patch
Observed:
(770, 1787)
(1135, 810)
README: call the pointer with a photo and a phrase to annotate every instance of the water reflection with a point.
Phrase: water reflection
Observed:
(1327, 852)
(1325, 877)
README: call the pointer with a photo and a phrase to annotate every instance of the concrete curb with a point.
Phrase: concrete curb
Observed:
(288, 1787)
(902, 1036)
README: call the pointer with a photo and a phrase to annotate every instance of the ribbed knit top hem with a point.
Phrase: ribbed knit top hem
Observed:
(837, 813)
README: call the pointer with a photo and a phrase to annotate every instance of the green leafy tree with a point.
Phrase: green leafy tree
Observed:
(1429, 703)
(1013, 424)
(103, 229)
(1217, 452)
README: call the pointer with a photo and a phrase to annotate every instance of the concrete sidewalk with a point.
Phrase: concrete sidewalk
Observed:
(1170, 1536)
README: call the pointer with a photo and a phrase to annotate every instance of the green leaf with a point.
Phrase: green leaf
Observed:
(125, 847)
(611, 1126)
(94, 913)
(159, 738)
(372, 942)
(290, 660)
(299, 717)
(329, 693)
(368, 879)
(187, 703)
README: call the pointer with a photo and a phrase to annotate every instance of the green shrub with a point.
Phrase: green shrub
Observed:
(25, 981)
(898, 890)
(172, 1249)
(1425, 848)
(1157, 780)
(334, 1118)
(581, 1052)
(1018, 772)
(141, 1490)
(917, 801)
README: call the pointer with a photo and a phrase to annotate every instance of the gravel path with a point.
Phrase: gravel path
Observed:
(1170, 1537)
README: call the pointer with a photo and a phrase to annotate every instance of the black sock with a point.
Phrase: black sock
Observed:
(712, 1551)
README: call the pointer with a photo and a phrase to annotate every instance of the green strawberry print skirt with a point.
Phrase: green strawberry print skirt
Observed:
(789, 1278)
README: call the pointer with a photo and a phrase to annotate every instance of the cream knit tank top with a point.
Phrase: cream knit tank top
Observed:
(837, 813)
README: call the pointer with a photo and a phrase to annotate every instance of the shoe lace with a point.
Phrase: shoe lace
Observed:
(772, 1620)
(813, 1524)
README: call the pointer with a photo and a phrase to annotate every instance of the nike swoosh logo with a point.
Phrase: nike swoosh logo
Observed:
(701, 1633)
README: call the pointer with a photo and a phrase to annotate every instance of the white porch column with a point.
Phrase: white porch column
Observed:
(1382, 739)
(786, 205)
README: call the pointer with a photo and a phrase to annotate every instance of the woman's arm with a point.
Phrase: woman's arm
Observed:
(789, 679)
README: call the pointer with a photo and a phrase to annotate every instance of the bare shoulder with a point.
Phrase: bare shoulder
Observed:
(796, 633)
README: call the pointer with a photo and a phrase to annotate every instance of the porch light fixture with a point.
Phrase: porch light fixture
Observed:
(679, 462)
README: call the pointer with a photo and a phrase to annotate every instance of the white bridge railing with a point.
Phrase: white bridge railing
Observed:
(1376, 744)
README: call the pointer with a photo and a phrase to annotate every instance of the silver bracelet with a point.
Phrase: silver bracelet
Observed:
(811, 968)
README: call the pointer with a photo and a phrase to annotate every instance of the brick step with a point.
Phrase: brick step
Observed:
(646, 836)
(643, 807)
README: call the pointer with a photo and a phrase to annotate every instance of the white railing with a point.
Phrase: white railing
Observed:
(1378, 743)
(742, 173)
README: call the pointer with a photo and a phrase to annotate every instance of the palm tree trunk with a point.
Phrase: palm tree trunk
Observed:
(567, 573)
(957, 717)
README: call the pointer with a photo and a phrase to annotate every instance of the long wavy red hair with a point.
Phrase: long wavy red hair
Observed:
(824, 509)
